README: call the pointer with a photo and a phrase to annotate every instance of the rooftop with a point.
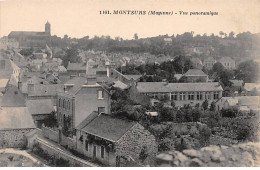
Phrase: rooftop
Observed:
(108, 127)
(146, 87)
(15, 118)
(195, 72)
(41, 106)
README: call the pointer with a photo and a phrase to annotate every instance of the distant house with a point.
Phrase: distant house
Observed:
(196, 75)
(16, 121)
(76, 68)
(181, 93)
(252, 89)
(44, 91)
(196, 62)
(243, 103)
(113, 141)
(79, 99)
(228, 63)
(8, 43)
(167, 41)
(237, 85)
(209, 62)
(126, 79)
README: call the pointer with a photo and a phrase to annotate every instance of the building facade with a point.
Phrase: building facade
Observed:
(180, 93)
(28, 39)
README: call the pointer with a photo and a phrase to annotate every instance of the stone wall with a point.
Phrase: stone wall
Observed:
(246, 154)
(131, 144)
(57, 153)
(50, 134)
(14, 138)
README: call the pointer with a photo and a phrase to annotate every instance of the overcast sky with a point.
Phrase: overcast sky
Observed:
(79, 18)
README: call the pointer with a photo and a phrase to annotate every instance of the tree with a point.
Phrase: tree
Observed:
(221, 33)
(218, 68)
(212, 106)
(231, 35)
(248, 71)
(196, 115)
(204, 135)
(205, 104)
(71, 55)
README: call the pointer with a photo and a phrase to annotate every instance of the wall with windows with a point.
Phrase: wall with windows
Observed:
(87, 149)
(65, 105)
(90, 99)
(191, 98)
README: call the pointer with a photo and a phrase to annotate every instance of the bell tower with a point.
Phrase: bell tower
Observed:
(48, 28)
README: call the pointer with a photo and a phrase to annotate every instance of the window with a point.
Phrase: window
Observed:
(59, 102)
(86, 145)
(207, 95)
(101, 110)
(191, 96)
(102, 151)
(68, 104)
(174, 96)
(64, 103)
(182, 96)
(199, 95)
(100, 94)
(216, 95)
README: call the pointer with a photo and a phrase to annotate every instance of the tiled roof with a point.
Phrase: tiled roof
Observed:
(76, 82)
(251, 86)
(46, 90)
(26, 33)
(15, 118)
(249, 100)
(108, 127)
(153, 87)
(13, 97)
(134, 77)
(209, 59)
(76, 66)
(226, 59)
(7, 70)
(237, 83)
(41, 106)
(195, 72)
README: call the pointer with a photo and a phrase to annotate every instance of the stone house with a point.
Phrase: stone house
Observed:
(16, 120)
(196, 75)
(114, 142)
(181, 93)
(79, 99)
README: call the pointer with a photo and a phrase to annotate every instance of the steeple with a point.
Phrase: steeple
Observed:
(48, 28)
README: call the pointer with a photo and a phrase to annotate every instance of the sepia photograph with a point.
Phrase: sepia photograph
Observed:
(129, 83)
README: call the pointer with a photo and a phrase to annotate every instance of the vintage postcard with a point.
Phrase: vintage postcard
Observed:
(129, 83)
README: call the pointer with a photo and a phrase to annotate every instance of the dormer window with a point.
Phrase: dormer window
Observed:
(100, 94)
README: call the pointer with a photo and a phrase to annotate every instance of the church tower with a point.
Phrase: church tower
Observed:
(48, 28)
